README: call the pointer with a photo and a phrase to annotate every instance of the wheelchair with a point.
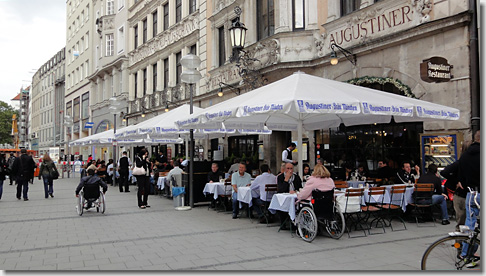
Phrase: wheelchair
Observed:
(321, 211)
(91, 196)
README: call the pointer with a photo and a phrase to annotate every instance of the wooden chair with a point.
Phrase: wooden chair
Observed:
(350, 205)
(270, 190)
(225, 199)
(422, 201)
(394, 209)
(373, 207)
(340, 184)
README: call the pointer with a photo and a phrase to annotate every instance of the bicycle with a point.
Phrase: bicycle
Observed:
(445, 253)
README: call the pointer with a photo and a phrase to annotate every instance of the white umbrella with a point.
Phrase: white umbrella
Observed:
(303, 101)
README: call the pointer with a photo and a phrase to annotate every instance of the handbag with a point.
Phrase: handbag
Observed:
(138, 170)
(54, 173)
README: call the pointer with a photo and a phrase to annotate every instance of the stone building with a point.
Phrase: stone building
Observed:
(47, 101)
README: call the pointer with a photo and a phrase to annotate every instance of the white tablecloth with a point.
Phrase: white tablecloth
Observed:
(396, 200)
(161, 182)
(244, 195)
(217, 189)
(283, 202)
(355, 184)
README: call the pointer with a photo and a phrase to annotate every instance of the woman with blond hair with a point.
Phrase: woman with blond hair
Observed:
(47, 166)
(320, 179)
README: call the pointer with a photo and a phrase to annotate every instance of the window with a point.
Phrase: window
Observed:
(178, 10)
(166, 16)
(192, 6)
(110, 44)
(298, 14)
(81, 45)
(144, 34)
(178, 68)
(82, 18)
(192, 49)
(112, 83)
(166, 73)
(85, 106)
(110, 7)
(121, 4)
(121, 40)
(154, 28)
(221, 47)
(154, 77)
(81, 71)
(144, 88)
(265, 18)
(87, 12)
(87, 68)
(69, 110)
(87, 41)
(135, 32)
(76, 110)
(348, 6)
(135, 75)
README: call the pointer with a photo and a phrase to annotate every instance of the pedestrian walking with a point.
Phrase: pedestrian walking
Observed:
(143, 180)
(10, 162)
(49, 172)
(3, 172)
(23, 171)
(124, 164)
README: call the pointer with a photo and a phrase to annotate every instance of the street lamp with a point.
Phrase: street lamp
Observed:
(334, 59)
(115, 109)
(191, 76)
(68, 122)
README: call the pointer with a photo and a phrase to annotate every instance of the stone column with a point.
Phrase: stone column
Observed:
(160, 71)
(150, 75)
(140, 33)
(150, 25)
(140, 83)
(131, 91)
(311, 14)
(283, 14)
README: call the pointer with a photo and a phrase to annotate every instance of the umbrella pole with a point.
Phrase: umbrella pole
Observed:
(300, 148)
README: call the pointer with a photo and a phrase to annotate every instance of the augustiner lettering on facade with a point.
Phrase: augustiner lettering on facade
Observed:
(435, 69)
(370, 26)
(163, 40)
(228, 75)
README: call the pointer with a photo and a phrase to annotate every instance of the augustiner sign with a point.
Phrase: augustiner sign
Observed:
(435, 69)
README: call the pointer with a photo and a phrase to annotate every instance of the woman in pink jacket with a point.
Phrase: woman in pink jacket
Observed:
(320, 179)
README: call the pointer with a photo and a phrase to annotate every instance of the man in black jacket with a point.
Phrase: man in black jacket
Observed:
(91, 180)
(438, 197)
(287, 182)
(215, 174)
(124, 164)
(23, 169)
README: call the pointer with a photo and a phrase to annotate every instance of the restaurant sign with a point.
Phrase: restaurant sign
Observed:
(435, 69)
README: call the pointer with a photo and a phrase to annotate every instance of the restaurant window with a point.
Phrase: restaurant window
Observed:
(178, 10)
(144, 34)
(85, 106)
(265, 18)
(178, 68)
(166, 73)
(298, 14)
(154, 77)
(166, 16)
(144, 88)
(243, 146)
(221, 47)
(192, 6)
(135, 32)
(154, 20)
(349, 6)
(76, 110)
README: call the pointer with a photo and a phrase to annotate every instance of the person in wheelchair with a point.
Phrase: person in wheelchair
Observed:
(90, 185)
(320, 180)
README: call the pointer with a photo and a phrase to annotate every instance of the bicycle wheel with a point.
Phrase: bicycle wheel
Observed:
(336, 227)
(307, 224)
(443, 254)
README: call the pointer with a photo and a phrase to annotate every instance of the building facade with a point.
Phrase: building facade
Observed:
(47, 102)
(80, 30)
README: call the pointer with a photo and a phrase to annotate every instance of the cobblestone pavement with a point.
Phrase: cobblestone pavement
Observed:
(47, 234)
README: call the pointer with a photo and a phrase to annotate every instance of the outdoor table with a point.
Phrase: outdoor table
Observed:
(284, 202)
(245, 196)
(355, 184)
(215, 188)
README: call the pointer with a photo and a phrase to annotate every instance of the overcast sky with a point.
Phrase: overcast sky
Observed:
(31, 32)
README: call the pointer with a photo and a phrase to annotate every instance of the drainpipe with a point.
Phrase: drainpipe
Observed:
(474, 59)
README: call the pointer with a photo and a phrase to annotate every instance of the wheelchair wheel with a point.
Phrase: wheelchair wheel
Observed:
(102, 204)
(80, 205)
(336, 227)
(307, 224)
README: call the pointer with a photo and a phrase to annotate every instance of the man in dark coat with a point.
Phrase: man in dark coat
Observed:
(23, 169)
(124, 164)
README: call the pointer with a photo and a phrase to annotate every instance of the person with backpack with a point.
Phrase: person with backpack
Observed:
(3, 172)
(49, 172)
(10, 162)
(23, 170)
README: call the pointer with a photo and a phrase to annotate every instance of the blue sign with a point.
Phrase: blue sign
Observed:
(89, 125)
